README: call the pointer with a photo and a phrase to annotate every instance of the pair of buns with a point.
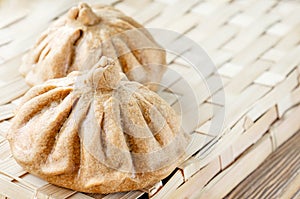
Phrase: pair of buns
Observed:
(84, 125)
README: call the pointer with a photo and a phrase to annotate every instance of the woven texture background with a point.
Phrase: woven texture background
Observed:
(255, 46)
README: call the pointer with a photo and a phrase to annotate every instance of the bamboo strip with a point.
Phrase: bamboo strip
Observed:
(4, 126)
(279, 29)
(200, 147)
(9, 69)
(273, 55)
(252, 12)
(247, 36)
(198, 91)
(6, 111)
(129, 8)
(9, 166)
(205, 112)
(121, 195)
(168, 15)
(289, 41)
(250, 53)
(174, 44)
(7, 178)
(4, 40)
(176, 180)
(286, 127)
(17, 180)
(16, 102)
(35, 181)
(284, 8)
(110, 196)
(269, 79)
(182, 61)
(288, 101)
(169, 78)
(289, 61)
(4, 150)
(132, 195)
(190, 167)
(230, 70)
(12, 90)
(259, 8)
(242, 19)
(270, 100)
(227, 138)
(149, 12)
(12, 190)
(208, 8)
(226, 157)
(151, 190)
(205, 129)
(198, 181)
(53, 191)
(7, 21)
(179, 69)
(197, 142)
(216, 20)
(221, 56)
(2, 139)
(184, 24)
(254, 133)
(238, 106)
(293, 18)
(169, 97)
(230, 177)
(80, 196)
(187, 91)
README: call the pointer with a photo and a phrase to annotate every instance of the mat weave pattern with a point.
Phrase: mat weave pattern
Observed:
(255, 45)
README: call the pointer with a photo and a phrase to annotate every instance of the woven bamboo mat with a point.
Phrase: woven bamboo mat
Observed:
(255, 46)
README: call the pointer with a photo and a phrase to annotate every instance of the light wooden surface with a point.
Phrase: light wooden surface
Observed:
(255, 46)
(277, 177)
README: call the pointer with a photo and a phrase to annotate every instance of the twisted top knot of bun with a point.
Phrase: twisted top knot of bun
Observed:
(84, 14)
(105, 75)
